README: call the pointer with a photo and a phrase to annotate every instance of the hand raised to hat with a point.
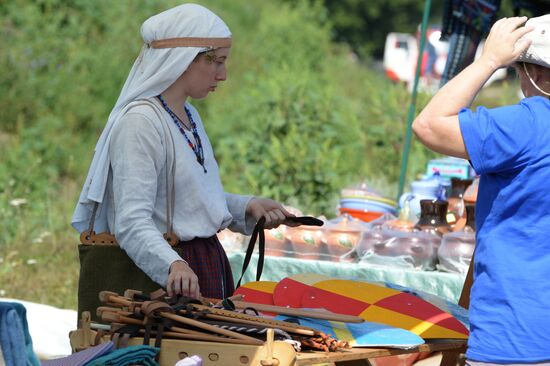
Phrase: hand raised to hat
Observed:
(503, 45)
(275, 214)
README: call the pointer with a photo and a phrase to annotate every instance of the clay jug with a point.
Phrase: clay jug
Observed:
(456, 200)
(433, 217)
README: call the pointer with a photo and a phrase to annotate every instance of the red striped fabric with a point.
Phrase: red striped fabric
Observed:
(208, 260)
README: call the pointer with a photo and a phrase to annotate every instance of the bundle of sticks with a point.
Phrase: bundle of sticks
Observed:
(158, 316)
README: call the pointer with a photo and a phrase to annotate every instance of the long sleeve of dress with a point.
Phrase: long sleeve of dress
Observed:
(138, 160)
(237, 207)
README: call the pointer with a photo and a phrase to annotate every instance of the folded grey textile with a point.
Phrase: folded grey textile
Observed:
(83, 357)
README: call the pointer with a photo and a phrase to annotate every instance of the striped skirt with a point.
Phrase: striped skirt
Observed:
(208, 260)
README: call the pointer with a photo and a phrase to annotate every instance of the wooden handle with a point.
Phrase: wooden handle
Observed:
(256, 320)
(290, 328)
(210, 328)
(321, 314)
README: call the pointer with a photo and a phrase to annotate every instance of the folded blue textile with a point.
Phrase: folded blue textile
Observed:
(32, 358)
(83, 357)
(132, 355)
(15, 339)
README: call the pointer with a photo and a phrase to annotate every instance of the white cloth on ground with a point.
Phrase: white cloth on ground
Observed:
(49, 328)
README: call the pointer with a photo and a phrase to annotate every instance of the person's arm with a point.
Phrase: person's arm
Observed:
(137, 159)
(237, 204)
(437, 126)
(247, 210)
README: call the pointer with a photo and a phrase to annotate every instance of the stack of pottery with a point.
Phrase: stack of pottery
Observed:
(365, 204)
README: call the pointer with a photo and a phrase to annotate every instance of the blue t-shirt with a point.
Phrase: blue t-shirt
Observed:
(510, 299)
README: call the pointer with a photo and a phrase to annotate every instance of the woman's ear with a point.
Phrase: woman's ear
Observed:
(538, 73)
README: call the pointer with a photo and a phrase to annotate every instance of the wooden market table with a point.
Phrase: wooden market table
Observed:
(277, 354)
(360, 356)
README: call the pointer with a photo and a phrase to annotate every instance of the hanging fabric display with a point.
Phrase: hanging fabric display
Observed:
(465, 22)
(535, 7)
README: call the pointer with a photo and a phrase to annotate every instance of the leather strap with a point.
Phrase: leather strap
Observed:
(91, 238)
(259, 233)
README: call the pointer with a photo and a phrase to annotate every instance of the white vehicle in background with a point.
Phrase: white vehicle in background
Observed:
(401, 54)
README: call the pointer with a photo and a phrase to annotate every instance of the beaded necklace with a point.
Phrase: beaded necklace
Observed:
(197, 149)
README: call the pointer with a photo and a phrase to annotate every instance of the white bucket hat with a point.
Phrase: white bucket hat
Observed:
(539, 50)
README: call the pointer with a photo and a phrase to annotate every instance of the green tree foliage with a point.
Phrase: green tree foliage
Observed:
(287, 132)
(364, 24)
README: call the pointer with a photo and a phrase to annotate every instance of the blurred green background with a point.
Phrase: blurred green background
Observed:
(305, 112)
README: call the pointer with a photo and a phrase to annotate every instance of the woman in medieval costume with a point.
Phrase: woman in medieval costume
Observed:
(154, 171)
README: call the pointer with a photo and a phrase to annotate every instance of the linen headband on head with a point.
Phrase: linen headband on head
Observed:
(190, 42)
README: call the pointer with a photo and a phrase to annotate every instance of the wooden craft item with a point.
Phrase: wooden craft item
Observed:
(207, 311)
(314, 314)
(237, 354)
(455, 310)
(259, 292)
(220, 314)
(373, 303)
(210, 328)
(367, 334)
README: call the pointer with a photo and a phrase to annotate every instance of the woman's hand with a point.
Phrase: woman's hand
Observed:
(503, 45)
(182, 281)
(275, 214)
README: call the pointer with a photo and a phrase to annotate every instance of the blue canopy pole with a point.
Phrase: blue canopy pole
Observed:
(412, 106)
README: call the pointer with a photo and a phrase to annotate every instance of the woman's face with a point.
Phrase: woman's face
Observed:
(205, 73)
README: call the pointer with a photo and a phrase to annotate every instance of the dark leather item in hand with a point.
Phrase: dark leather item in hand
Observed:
(259, 232)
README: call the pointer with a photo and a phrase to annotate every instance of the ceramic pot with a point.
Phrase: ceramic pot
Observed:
(276, 242)
(433, 217)
(456, 200)
(457, 248)
(342, 235)
(305, 241)
(391, 248)
(420, 190)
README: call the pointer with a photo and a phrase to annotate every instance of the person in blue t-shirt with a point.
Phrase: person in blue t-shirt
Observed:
(510, 148)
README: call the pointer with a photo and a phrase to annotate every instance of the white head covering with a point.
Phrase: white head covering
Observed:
(539, 50)
(153, 72)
